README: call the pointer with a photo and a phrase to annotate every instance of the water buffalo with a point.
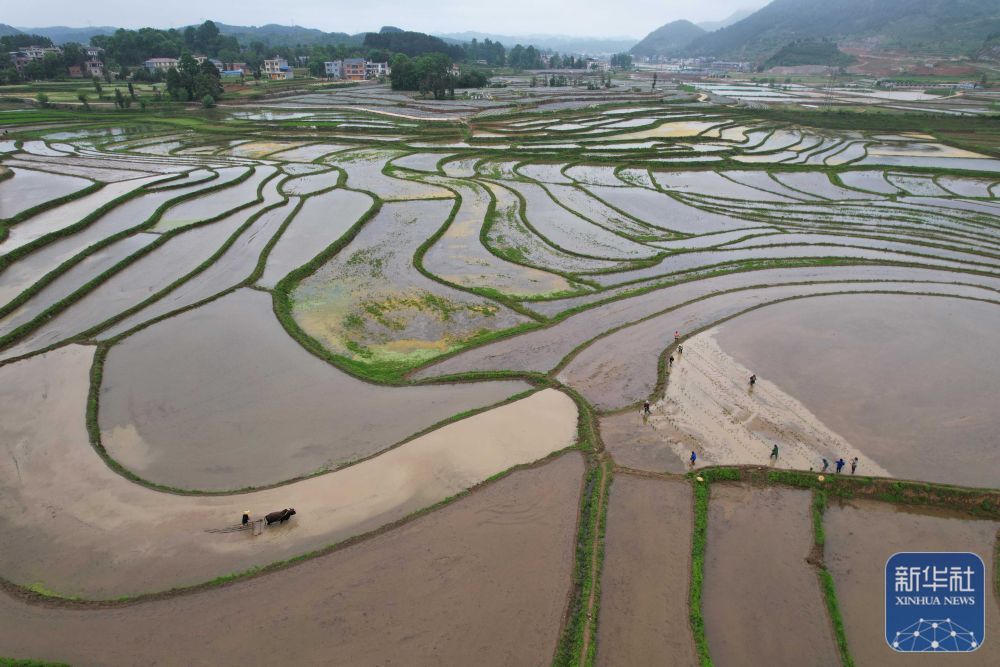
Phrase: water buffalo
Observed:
(282, 516)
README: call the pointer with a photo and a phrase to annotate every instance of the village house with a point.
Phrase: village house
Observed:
(355, 69)
(159, 64)
(277, 69)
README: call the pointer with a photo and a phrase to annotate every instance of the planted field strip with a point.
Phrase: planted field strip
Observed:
(965, 187)
(231, 268)
(323, 219)
(644, 584)
(818, 183)
(665, 212)
(62, 478)
(82, 273)
(311, 183)
(510, 237)
(542, 350)
(130, 215)
(370, 304)
(364, 172)
(717, 185)
(497, 608)
(695, 260)
(761, 180)
(216, 203)
(459, 256)
(421, 161)
(860, 538)
(762, 600)
(307, 153)
(571, 232)
(60, 217)
(29, 188)
(132, 285)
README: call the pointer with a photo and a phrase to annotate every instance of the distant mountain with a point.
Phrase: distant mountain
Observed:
(735, 17)
(6, 30)
(287, 34)
(560, 43)
(942, 27)
(63, 34)
(668, 39)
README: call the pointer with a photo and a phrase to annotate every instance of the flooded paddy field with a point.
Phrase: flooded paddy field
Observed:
(396, 314)
(906, 380)
(860, 538)
(644, 583)
(763, 604)
(461, 594)
(226, 353)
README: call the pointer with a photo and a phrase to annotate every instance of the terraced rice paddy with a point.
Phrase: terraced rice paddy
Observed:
(398, 315)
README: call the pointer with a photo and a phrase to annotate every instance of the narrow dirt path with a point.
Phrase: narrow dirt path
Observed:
(594, 561)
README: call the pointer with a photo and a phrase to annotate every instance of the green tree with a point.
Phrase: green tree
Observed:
(43, 100)
(131, 90)
(97, 86)
(174, 85)
(208, 101)
(82, 96)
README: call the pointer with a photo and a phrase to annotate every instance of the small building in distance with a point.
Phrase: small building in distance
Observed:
(375, 70)
(355, 69)
(277, 69)
(160, 64)
(333, 69)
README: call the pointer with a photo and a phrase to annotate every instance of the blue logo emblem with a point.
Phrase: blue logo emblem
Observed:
(935, 602)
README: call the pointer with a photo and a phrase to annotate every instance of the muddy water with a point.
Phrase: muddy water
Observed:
(233, 267)
(67, 214)
(912, 382)
(665, 212)
(861, 537)
(620, 368)
(451, 588)
(207, 398)
(644, 583)
(762, 600)
(30, 188)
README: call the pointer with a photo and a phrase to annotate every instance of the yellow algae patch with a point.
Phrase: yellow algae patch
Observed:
(128, 539)
(666, 130)
(922, 150)
(257, 149)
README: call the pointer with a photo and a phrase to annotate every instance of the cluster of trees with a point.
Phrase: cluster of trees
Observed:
(490, 52)
(191, 81)
(621, 61)
(410, 43)
(431, 74)
(132, 47)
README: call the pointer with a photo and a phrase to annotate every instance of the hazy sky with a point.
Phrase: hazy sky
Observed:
(610, 18)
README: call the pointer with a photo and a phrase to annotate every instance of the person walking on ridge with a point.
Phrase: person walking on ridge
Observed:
(854, 464)
(694, 457)
(670, 361)
(826, 465)
(753, 379)
(645, 408)
(840, 464)
(774, 453)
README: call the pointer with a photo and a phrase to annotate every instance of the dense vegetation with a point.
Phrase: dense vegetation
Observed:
(668, 40)
(938, 26)
(809, 52)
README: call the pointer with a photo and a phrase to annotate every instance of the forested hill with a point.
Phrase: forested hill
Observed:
(287, 34)
(931, 26)
(668, 39)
